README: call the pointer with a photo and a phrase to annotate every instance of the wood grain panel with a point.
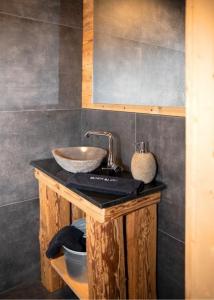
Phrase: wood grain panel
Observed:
(87, 51)
(200, 149)
(88, 15)
(132, 205)
(76, 213)
(141, 229)
(154, 110)
(106, 266)
(54, 214)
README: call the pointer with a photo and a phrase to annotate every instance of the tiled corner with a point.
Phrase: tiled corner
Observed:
(19, 253)
(170, 267)
(121, 124)
(27, 136)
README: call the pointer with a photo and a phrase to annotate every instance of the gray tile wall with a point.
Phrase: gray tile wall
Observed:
(40, 84)
(40, 87)
(40, 60)
(166, 138)
(139, 52)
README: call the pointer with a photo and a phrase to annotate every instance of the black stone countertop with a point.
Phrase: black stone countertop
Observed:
(102, 200)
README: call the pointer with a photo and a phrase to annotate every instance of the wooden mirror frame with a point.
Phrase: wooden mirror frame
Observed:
(87, 74)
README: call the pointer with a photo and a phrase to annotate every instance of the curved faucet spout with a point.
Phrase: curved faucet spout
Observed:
(98, 132)
(111, 164)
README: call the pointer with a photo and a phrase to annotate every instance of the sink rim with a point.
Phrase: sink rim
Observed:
(56, 152)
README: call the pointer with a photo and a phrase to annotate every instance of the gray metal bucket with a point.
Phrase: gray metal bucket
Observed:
(76, 262)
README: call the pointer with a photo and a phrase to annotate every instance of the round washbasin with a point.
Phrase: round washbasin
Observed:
(79, 159)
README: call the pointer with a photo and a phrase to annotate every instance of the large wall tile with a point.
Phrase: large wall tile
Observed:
(19, 251)
(29, 63)
(70, 67)
(27, 136)
(122, 125)
(34, 58)
(117, 70)
(71, 12)
(44, 10)
(130, 72)
(66, 12)
(170, 267)
(155, 22)
(166, 138)
(162, 77)
(172, 165)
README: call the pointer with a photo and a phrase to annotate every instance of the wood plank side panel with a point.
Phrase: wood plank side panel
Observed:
(54, 214)
(141, 227)
(106, 265)
(199, 149)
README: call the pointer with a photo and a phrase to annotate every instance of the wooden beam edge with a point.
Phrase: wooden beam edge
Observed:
(155, 110)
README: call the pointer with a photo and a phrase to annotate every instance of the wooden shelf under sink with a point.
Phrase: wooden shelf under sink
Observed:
(79, 288)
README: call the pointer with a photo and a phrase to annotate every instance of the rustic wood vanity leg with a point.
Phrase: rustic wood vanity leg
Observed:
(141, 226)
(54, 214)
(106, 263)
(76, 213)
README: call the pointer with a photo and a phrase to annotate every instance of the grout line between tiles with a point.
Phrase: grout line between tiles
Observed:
(164, 232)
(152, 43)
(39, 21)
(39, 110)
(18, 202)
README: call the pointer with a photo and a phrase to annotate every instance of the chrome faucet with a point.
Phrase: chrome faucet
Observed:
(111, 162)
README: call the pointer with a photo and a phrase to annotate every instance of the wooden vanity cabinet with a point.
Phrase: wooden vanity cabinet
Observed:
(121, 243)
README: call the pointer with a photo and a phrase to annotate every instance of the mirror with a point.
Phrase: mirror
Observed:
(138, 54)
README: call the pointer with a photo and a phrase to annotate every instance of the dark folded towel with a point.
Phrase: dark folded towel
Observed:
(105, 184)
(70, 237)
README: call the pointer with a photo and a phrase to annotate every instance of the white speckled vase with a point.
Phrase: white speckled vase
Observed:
(143, 165)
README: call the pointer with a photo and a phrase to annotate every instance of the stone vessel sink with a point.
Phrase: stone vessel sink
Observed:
(79, 159)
